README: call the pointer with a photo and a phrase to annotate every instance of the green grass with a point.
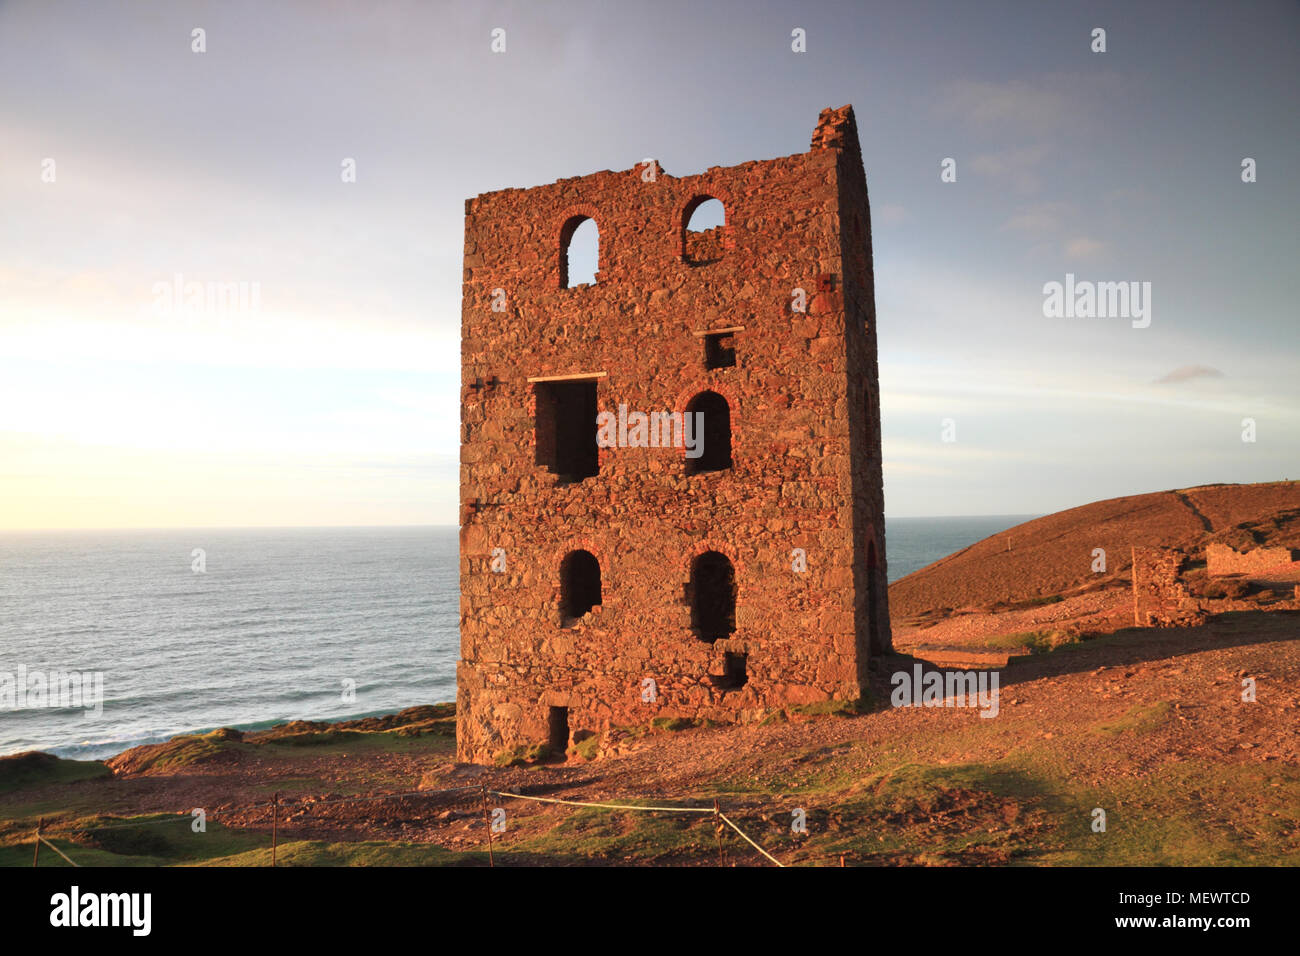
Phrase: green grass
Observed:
(597, 834)
(806, 773)
(1025, 604)
(880, 804)
(39, 769)
(366, 853)
(1035, 642)
(317, 744)
(1139, 718)
(162, 839)
(436, 734)
(316, 738)
(673, 723)
(1027, 808)
(833, 708)
(1198, 814)
(523, 754)
(925, 814)
(588, 747)
(1021, 810)
(188, 750)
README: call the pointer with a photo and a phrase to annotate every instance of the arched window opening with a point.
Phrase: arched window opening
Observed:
(713, 596)
(704, 223)
(579, 585)
(713, 440)
(579, 252)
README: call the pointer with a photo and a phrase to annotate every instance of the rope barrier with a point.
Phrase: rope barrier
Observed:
(179, 818)
(626, 806)
(58, 851)
(183, 818)
(723, 817)
(605, 806)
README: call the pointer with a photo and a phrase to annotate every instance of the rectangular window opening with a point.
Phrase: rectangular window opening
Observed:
(733, 670)
(566, 429)
(557, 723)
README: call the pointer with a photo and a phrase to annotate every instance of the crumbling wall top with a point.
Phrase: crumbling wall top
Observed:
(836, 129)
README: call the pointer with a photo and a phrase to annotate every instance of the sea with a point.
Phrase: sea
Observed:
(187, 631)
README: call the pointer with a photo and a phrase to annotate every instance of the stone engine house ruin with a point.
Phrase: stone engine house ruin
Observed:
(609, 581)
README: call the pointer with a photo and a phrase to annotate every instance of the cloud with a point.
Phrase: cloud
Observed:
(1043, 103)
(1188, 372)
(1015, 103)
(1083, 247)
(1030, 121)
(902, 451)
(1039, 218)
(1016, 165)
(888, 214)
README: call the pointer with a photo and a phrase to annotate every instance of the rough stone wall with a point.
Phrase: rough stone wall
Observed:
(804, 413)
(1220, 560)
(838, 129)
(1162, 598)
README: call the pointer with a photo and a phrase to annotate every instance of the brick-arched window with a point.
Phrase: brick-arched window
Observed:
(579, 251)
(579, 584)
(715, 455)
(704, 221)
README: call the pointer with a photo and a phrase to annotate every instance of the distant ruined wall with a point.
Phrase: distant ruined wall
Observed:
(1160, 597)
(1222, 560)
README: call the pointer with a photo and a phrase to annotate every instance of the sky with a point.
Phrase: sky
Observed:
(130, 162)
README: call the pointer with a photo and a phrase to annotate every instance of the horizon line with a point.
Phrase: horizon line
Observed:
(366, 527)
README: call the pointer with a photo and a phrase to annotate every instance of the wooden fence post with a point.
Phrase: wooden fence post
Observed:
(1137, 620)
(487, 821)
(717, 829)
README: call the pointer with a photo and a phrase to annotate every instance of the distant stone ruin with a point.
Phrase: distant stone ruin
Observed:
(1221, 560)
(1160, 597)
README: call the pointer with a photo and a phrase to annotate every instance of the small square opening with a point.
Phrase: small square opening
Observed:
(733, 675)
(720, 350)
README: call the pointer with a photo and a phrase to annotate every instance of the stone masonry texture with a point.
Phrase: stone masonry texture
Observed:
(1161, 594)
(804, 479)
(1223, 560)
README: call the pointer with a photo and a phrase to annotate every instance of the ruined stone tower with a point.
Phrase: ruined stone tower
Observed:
(607, 586)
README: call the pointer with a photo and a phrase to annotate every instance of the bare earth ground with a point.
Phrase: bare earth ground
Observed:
(1080, 616)
(1148, 725)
